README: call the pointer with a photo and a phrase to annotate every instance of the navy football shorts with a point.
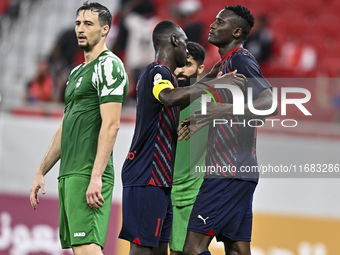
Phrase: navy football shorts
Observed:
(223, 208)
(147, 215)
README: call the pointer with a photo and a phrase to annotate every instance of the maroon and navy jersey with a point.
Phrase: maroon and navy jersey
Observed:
(235, 145)
(153, 149)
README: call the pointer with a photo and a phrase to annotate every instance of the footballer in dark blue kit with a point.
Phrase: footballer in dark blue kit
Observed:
(148, 170)
(234, 144)
(156, 134)
(223, 207)
(153, 147)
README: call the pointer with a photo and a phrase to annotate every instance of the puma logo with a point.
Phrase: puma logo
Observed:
(200, 217)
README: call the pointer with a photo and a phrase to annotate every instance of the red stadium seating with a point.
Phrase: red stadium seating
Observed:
(4, 4)
(308, 22)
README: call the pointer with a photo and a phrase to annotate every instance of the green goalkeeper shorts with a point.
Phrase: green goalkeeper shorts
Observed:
(180, 220)
(78, 223)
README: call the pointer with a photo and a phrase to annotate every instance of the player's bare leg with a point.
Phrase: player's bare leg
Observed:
(136, 249)
(162, 249)
(196, 243)
(237, 248)
(87, 249)
(176, 253)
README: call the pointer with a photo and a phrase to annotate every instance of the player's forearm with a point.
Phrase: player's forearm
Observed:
(52, 155)
(183, 96)
(179, 97)
(261, 104)
(106, 141)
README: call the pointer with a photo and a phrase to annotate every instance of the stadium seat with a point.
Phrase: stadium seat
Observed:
(331, 64)
(328, 23)
(308, 6)
(335, 5)
(4, 4)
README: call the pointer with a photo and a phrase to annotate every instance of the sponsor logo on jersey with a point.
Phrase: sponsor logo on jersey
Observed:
(157, 78)
(78, 82)
(79, 234)
(131, 155)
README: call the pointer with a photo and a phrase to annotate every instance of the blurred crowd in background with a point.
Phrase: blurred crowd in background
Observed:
(291, 39)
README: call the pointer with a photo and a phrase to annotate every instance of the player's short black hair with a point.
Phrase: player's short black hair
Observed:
(246, 20)
(162, 31)
(104, 15)
(197, 52)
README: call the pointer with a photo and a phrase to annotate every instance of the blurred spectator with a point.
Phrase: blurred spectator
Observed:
(189, 20)
(297, 56)
(63, 59)
(65, 49)
(260, 41)
(137, 23)
(120, 30)
(41, 87)
(14, 9)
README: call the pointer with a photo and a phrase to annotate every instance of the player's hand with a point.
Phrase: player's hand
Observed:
(214, 71)
(233, 78)
(190, 126)
(38, 183)
(93, 194)
(214, 111)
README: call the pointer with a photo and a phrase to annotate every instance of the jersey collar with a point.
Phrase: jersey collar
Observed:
(229, 53)
(159, 62)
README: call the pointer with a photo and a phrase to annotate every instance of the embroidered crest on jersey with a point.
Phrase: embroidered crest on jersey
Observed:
(79, 82)
(157, 78)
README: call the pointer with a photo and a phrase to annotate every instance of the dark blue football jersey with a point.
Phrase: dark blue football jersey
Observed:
(234, 144)
(153, 149)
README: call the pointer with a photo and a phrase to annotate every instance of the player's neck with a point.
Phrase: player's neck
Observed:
(225, 49)
(165, 58)
(94, 52)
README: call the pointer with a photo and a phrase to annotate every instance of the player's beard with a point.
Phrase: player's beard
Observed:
(84, 47)
(186, 82)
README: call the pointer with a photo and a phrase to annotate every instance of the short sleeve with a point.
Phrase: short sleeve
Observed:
(157, 74)
(246, 65)
(110, 80)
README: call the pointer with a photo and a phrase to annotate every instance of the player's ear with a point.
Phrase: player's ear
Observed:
(237, 32)
(174, 40)
(200, 69)
(105, 30)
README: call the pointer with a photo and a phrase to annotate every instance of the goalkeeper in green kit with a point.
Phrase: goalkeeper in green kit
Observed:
(186, 182)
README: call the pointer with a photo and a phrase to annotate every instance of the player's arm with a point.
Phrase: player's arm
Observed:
(170, 96)
(195, 122)
(213, 72)
(51, 157)
(264, 101)
(110, 114)
(263, 91)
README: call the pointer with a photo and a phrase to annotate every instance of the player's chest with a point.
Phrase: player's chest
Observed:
(80, 86)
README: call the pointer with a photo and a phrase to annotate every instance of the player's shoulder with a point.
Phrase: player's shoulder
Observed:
(158, 71)
(242, 58)
(243, 55)
(76, 68)
(158, 67)
(109, 58)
